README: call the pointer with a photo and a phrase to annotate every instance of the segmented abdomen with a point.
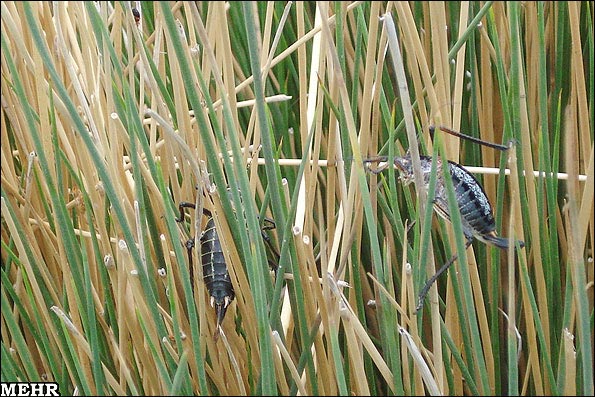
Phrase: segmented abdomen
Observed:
(214, 268)
(472, 201)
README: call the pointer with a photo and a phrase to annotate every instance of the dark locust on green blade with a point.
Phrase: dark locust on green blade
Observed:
(476, 211)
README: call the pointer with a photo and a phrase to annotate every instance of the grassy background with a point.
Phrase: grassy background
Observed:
(109, 122)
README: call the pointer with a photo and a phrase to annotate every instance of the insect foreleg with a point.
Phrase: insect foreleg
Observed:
(380, 161)
(181, 206)
(269, 224)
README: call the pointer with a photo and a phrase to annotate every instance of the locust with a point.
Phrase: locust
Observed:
(475, 209)
(214, 267)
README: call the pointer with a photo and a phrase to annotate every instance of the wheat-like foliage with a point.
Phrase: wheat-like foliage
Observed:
(111, 116)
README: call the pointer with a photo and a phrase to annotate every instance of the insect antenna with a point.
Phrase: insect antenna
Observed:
(469, 138)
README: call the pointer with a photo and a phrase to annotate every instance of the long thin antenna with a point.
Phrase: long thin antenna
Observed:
(469, 138)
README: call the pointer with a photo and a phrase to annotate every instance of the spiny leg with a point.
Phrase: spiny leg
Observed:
(426, 288)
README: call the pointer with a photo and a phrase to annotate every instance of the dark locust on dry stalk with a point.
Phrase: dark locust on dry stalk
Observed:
(214, 267)
(476, 211)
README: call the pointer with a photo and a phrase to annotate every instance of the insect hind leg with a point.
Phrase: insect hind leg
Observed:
(431, 280)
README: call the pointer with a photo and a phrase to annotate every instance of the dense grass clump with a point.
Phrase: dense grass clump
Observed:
(112, 116)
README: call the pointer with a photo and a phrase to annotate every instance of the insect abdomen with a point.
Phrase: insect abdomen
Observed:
(472, 201)
(215, 273)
